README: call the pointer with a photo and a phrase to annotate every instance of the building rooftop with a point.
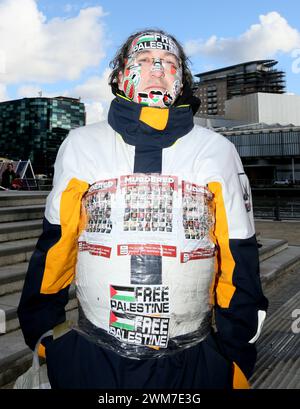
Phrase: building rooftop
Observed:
(266, 63)
(261, 127)
(60, 97)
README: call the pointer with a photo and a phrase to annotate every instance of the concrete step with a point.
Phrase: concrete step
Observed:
(270, 247)
(20, 230)
(16, 213)
(17, 251)
(9, 304)
(12, 198)
(12, 277)
(15, 356)
(279, 263)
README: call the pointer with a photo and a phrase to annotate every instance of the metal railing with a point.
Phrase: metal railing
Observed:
(276, 209)
(32, 184)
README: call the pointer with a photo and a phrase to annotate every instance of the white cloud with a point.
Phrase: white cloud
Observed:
(34, 90)
(95, 88)
(28, 91)
(96, 95)
(47, 51)
(95, 112)
(2, 62)
(3, 94)
(270, 36)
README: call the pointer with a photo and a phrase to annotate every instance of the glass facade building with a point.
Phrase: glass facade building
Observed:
(34, 128)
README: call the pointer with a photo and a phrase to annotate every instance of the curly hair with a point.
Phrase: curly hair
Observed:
(117, 64)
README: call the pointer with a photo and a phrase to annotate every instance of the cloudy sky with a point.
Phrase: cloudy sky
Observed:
(64, 47)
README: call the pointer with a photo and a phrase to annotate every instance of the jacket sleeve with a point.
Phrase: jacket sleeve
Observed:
(52, 265)
(240, 305)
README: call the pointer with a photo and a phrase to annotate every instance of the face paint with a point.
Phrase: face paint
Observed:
(176, 87)
(153, 72)
(155, 98)
(173, 70)
(157, 64)
(167, 99)
(132, 77)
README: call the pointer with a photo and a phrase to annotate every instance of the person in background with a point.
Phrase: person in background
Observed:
(17, 183)
(8, 176)
(151, 217)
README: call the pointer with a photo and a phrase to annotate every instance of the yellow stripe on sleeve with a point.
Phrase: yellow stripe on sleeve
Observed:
(61, 258)
(225, 288)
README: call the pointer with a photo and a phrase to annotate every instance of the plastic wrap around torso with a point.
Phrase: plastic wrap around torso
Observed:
(146, 260)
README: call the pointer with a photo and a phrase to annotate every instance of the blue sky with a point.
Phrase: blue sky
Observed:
(63, 47)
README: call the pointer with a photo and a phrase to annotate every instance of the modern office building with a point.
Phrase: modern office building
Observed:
(217, 86)
(34, 128)
(263, 107)
(270, 153)
(247, 104)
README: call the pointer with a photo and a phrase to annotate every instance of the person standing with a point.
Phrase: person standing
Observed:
(151, 216)
(8, 176)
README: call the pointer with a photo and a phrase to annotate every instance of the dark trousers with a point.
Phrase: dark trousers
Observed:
(76, 363)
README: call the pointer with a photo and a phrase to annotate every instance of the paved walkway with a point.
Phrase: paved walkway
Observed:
(278, 363)
(286, 230)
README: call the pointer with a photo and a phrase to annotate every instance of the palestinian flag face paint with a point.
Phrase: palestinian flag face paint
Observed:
(155, 95)
(131, 79)
(153, 72)
(129, 88)
(167, 99)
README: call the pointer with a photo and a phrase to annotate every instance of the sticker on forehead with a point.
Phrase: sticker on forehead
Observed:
(154, 41)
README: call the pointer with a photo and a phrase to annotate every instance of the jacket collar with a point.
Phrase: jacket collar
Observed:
(149, 126)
